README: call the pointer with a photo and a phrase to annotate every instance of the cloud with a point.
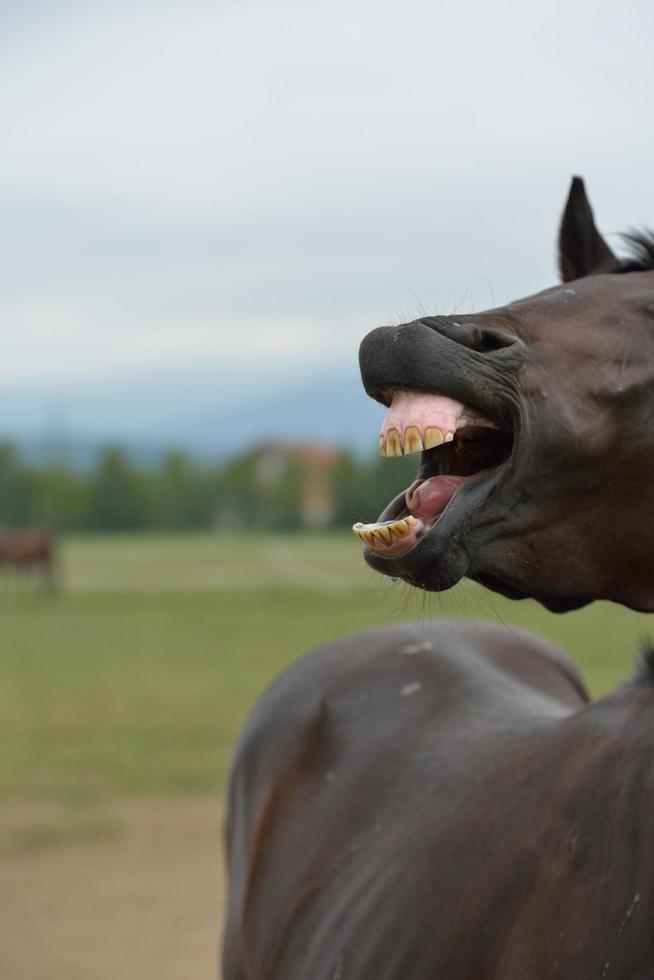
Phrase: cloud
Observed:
(255, 182)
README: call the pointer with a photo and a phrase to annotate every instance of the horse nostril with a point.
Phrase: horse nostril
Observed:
(476, 337)
(486, 339)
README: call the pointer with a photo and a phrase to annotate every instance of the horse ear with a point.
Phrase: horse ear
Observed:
(582, 250)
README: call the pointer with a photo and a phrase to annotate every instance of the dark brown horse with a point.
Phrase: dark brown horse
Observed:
(29, 549)
(443, 802)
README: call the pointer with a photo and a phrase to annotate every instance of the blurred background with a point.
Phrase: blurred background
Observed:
(205, 206)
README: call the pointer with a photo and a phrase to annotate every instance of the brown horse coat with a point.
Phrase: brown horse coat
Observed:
(26, 547)
(441, 801)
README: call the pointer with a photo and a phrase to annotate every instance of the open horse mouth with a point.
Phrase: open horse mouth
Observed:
(532, 421)
(458, 446)
(451, 393)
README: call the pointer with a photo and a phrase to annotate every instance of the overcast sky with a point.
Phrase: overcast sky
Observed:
(254, 185)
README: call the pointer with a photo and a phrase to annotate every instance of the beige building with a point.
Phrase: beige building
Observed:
(315, 463)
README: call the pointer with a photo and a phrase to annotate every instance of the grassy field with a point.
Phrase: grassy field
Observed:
(120, 699)
(136, 678)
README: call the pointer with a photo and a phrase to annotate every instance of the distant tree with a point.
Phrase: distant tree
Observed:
(239, 500)
(263, 492)
(117, 493)
(381, 481)
(281, 503)
(268, 490)
(14, 497)
(171, 486)
(58, 497)
(348, 488)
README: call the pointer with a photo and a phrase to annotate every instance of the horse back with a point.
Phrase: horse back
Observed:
(346, 779)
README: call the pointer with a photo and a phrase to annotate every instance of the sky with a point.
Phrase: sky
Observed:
(238, 191)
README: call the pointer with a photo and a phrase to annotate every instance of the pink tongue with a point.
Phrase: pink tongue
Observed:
(429, 498)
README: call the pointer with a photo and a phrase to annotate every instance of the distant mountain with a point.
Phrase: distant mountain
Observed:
(334, 411)
(199, 412)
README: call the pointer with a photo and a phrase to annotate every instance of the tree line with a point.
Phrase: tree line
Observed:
(118, 492)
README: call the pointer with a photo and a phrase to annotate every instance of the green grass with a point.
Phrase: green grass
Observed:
(137, 677)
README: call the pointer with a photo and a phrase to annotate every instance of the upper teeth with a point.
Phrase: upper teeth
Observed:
(420, 420)
(392, 444)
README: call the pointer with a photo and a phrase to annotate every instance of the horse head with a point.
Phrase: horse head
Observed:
(534, 425)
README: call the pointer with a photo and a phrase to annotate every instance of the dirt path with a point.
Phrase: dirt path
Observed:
(129, 890)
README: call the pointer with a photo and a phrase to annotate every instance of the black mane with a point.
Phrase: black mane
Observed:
(644, 672)
(641, 251)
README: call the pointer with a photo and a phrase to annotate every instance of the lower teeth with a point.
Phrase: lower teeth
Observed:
(386, 532)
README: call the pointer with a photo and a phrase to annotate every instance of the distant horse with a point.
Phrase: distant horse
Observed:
(29, 549)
